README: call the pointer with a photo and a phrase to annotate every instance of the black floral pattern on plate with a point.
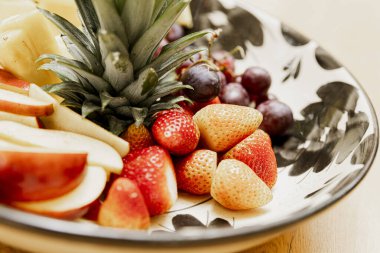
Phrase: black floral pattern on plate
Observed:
(293, 37)
(325, 60)
(185, 221)
(292, 69)
(320, 129)
(242, 26)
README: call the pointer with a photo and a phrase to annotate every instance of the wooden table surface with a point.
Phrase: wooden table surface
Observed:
(350, 30)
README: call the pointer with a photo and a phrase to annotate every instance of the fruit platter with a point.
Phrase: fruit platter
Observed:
(159, 124)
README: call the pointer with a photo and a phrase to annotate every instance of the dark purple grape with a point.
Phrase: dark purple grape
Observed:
(205, 81)
(256, 81)
(223, 80)
(176, 32)
(234, 93)
(277, 117)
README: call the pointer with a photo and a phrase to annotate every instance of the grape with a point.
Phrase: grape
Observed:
(205, 81)
(234, 93)
(277, 117)
(176, 32)
(256, 81)
(223, 80)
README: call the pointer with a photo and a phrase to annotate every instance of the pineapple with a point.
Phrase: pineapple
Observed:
(23, 38)
(113, 77)
(10, 8)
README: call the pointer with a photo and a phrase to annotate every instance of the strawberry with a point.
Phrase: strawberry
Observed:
(176, 131)
(152, 169)
(237, 187)
(124, 207)
(194, 172)
(138, 137)
(222, 126)
(256, 151)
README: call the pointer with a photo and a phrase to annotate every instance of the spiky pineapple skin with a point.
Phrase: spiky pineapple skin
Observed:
(113, 77)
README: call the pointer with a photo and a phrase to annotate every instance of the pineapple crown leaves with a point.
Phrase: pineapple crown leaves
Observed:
(113, 77)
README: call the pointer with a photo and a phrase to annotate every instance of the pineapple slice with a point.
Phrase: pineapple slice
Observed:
(11, 8)
(186, 18)
(66, 9)
(23, 38)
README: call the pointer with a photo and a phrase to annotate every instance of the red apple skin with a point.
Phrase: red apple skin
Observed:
(8, 78)
(26, 110)
(124, 207)
(39, 176)
(67, 215)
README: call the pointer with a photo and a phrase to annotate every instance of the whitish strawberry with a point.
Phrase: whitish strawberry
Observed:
(256, 151)
(222, 126)
(194, 172)
(237, 187)
(138, 137)
(176, 131)
(152, 169)
(124, 207)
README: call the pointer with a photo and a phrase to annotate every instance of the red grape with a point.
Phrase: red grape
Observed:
(277, 117)
(234, 93)
(256, 81)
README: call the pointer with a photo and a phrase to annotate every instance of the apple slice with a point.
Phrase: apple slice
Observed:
(25, 120)
(9, 79)
(65, 119)
(9, 87)
(99, 153)
(28, 173)
(124, 206)
(19, 104)
(76, 202)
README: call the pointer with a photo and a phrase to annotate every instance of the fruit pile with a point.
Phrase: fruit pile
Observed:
(138, 115)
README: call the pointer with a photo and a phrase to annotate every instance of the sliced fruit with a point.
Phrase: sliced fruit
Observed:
(235, 186)
(176, 131)
(194, 172)
(138, 137)
(152, 169)
(75, 203)
(13, 89)
(67, 9)
(37, 174)
(11, 8)
(186, 18)
(222, 126)
(256, 151)
(25, 120)
(23, 105)
(124, 207)
(21, 45)
(9, 79)
(65, 119)
(99, 153)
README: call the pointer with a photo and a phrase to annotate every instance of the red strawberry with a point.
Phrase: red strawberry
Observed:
(124, 207)
(237, 187)
(256, 151)
(138, 137)
(152, 169)
(176, 131)
(222, 126)
(194, 172)
(196, 106)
